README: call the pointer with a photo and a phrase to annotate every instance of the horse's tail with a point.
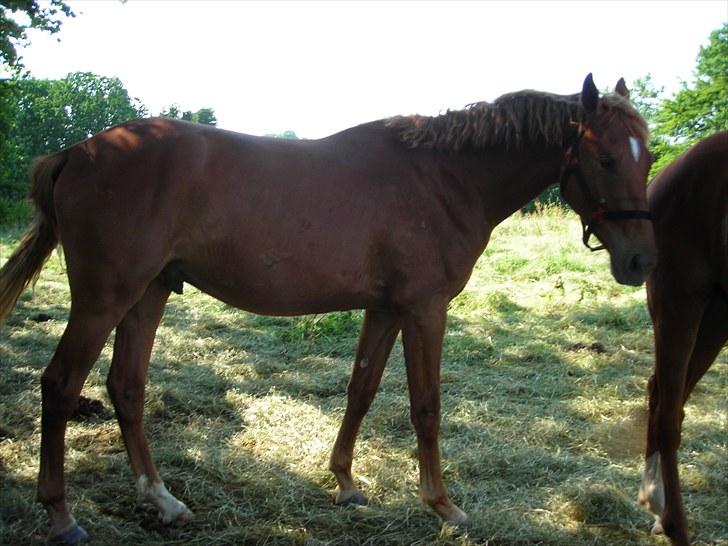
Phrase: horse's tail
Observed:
(39, 240)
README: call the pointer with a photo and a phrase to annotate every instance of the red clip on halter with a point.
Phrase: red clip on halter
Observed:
(599, 214)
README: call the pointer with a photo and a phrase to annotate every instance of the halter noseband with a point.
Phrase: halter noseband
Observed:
(599, 214)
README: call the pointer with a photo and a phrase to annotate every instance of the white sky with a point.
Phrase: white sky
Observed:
(320, 67)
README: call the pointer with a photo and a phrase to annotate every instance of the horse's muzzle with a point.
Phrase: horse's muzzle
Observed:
(633, 268)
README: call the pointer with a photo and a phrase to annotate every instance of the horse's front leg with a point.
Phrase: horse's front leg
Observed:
(422, 335)
(378, 333)
(676, 321)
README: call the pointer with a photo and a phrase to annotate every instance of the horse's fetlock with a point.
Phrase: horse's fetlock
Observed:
(337, 467)
(52, 500)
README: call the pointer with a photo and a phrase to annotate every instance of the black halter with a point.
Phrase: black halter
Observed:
(599, 214)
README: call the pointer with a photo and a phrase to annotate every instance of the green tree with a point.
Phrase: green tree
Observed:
(291, 135)
(48, 115)
(701, 109)
(205, 116)
(696, 111)
(17, 16)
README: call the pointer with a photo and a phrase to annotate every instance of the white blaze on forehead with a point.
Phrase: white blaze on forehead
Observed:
(634, 146)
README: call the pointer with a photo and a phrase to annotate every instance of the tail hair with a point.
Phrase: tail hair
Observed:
(39, 240)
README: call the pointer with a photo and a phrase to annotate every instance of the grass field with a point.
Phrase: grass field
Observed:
(544, 370)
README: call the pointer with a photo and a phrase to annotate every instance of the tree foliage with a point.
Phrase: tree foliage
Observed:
(205, 116)
(696, 111)
(48, 115)
(53, 114)
(701, 109)
(289, 135)
(17, 16)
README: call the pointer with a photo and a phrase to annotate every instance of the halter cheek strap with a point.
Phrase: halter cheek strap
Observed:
(599, 214)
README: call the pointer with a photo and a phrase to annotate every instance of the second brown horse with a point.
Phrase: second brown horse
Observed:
(389, 217)
(687, 295)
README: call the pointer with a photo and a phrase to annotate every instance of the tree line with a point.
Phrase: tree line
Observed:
(43, 116)
(40, 116)
(697, 110)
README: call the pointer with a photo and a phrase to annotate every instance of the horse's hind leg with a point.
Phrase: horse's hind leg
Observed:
(677, 323)
(378, 333)
(711, 338)
(125, 383)
(77, 351)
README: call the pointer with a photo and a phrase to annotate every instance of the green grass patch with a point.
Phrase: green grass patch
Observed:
(544, 370)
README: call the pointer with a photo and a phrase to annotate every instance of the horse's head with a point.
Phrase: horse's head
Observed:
(605, 178)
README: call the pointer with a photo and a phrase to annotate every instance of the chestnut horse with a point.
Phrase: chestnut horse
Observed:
(389, 216)
(687, 295)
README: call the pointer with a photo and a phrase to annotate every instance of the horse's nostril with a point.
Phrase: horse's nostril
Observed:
(640, 263)
(635, 263)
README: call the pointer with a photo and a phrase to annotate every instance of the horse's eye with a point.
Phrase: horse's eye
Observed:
(606, 162)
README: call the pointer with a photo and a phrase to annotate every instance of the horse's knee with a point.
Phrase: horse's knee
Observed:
(426, 420)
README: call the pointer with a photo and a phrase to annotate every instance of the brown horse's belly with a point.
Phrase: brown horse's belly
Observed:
(281, 285)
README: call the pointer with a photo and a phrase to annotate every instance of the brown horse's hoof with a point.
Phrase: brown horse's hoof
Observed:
(346, 498)
(72, 536)
(457, 518)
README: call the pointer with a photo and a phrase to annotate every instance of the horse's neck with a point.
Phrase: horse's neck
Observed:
(506, 180)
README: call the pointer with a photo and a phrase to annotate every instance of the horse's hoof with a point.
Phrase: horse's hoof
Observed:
(657, 528)
(346, 498)
(183, 518)
(72, 536)
(180, 517)
(458, 519)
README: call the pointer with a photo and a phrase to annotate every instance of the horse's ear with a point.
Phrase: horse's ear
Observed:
(621, 88)
(589, 95)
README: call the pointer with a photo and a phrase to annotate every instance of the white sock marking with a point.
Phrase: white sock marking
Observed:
(169, 507)
(652, 491)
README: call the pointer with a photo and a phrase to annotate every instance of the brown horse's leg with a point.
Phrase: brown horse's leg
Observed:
(378, 333)
(78, 349)
(422, 334)
(126, 380)
(711, 338)
(676, 322)
(665, 500)
(652, 493)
